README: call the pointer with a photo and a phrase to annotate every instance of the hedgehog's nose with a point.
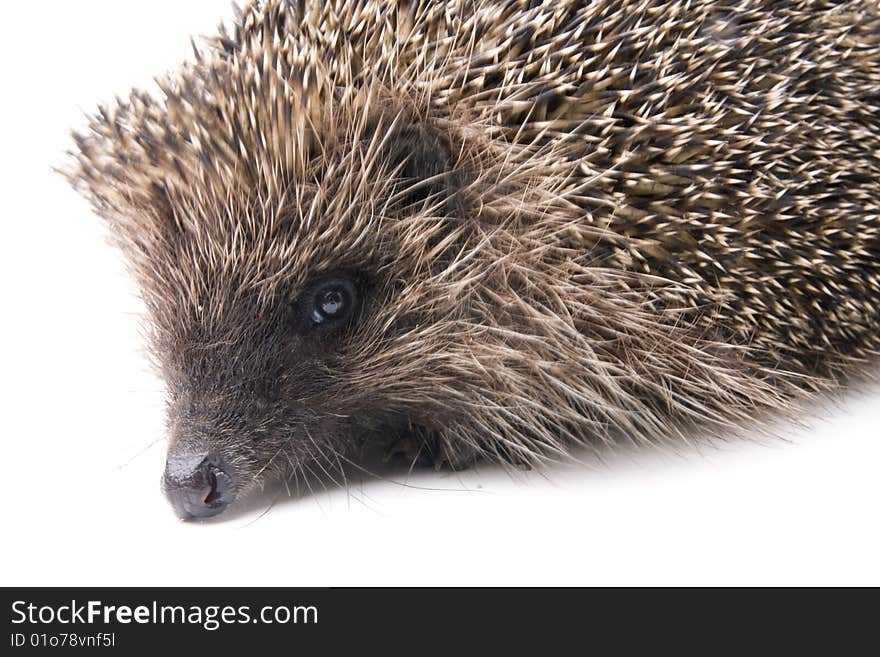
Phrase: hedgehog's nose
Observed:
(198, 485)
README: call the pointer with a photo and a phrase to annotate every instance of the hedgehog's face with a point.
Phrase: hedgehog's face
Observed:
(303, 333)
(264, 386)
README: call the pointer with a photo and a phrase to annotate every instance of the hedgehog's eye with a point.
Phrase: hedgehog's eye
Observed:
(332, 301)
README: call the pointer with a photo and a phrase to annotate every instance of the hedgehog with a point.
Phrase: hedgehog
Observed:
(495, 230)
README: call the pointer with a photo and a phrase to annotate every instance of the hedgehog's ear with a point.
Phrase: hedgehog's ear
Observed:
(425, 168)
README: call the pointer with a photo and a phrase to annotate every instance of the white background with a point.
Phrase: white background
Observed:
(82, 416)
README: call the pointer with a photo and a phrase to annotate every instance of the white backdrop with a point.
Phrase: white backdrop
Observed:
(82, 416)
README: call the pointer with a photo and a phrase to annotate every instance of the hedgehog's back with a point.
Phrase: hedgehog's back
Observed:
(734, 148)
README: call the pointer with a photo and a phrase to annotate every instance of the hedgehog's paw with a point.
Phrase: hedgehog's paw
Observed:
(430, 451)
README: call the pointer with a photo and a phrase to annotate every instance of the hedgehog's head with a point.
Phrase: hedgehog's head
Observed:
(304, 258)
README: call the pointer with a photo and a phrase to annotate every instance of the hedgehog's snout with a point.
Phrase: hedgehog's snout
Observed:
(199, 485)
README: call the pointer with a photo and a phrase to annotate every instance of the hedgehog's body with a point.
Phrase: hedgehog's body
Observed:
(546, 223)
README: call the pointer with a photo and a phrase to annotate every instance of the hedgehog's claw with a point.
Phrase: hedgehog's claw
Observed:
(410, 448)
